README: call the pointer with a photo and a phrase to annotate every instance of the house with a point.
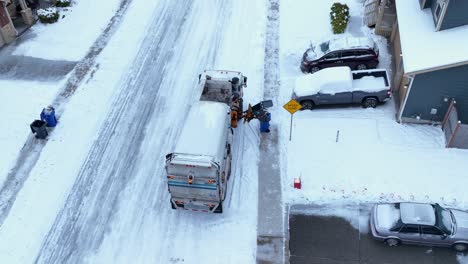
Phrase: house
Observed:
(8, 12)
(7, 30)
(380, 14)
(430, 45)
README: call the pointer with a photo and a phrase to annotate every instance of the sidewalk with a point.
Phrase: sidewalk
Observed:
(270, 226)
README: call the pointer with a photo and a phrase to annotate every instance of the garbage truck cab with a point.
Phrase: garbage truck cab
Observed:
(199, 167)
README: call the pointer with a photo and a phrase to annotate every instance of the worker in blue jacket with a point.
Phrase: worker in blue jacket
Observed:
(48, 115)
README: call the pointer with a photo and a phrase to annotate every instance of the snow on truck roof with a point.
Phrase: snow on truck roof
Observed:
(329, 80)
(338, 79)
(422, 47)
(204, 131)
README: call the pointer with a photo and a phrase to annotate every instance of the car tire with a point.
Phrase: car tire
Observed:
(370, 102)
(361, 66)
(314, 69)
(172, 205)
(460, 247)
(307, 105)
(392, 242)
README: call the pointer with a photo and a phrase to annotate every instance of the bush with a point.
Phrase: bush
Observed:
(48, 15)
(339, 17)
(63, 3)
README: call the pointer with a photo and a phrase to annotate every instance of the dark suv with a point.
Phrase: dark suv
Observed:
(356, 53)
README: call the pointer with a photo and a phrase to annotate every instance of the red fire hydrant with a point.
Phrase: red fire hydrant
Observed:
(297, 183)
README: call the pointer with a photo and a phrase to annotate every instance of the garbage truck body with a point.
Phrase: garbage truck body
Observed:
(226, 87)
(199, 167)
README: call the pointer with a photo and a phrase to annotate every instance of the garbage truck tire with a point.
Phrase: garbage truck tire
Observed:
(219, 209)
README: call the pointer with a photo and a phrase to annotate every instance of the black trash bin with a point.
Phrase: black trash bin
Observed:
(38, 127)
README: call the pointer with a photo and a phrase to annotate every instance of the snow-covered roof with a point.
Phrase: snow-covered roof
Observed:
(417, 213)
(424, 48)
(204, 131)
(328, 80)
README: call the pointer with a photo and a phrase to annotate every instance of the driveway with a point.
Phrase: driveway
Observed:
(339, 234)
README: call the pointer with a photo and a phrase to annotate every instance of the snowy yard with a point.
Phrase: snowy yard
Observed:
(352, 154)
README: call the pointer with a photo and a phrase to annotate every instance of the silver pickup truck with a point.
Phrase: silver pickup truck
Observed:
(340, 85)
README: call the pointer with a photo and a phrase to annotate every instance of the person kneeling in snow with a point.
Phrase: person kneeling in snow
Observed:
(48, 115)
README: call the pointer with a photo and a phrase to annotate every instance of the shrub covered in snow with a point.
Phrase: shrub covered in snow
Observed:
(339, 17)
(63, 3)
(48, 15)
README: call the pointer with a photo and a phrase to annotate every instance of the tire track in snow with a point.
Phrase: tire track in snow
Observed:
(81, 225)
(29, 154)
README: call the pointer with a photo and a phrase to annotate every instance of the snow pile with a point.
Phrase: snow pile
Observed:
(49, 12)
(329, 80)
(369, 84)
(60, 41)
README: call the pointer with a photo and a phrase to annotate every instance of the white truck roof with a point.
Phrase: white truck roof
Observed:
(329, 80)
(204, 132)
(338, 79)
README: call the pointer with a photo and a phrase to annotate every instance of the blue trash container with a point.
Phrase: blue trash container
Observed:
(265, 123)
(48, 115)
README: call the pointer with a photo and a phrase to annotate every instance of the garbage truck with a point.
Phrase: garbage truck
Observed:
(199, 167)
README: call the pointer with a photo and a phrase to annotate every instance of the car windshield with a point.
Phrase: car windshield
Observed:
(324, 46)
(444, 219)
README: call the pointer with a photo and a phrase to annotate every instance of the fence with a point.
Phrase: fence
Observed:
(456, 133)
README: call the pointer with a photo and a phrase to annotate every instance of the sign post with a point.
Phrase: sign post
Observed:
(292, 107)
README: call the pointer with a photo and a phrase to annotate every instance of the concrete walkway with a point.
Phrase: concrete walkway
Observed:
(270, 227)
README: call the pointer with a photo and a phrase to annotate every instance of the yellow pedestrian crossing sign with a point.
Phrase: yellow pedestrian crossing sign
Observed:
(292, 106)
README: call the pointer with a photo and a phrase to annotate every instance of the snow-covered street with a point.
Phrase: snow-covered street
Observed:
(96, 191)
(106, 199)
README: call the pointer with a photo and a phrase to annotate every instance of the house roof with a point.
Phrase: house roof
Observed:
(422, 47)
(417, 213)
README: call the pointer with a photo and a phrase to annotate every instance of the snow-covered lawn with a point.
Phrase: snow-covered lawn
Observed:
(71, 36)
(68, 39)
(354, 154)
(22, 103)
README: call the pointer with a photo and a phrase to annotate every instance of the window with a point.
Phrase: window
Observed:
(362, 53)
(348, 53)
(410, 229)
(430, 230)
(332, 55)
